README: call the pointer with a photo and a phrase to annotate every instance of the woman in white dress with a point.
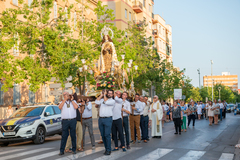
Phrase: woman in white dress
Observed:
(9, 111)
(210, 113)
(199, 110)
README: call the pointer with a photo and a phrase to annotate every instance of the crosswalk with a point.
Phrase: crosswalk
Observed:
(96, 154)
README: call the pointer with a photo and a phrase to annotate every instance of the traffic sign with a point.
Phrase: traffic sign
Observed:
(69, 78)
(68, 85)
(55, 93)
(69, 91)
(55, 85)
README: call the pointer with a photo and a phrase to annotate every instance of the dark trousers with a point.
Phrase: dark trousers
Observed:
(105, 126)
(191, 117)
(177, 124)
(224, 113)
(141, 125)
(66, 126)
(126, 129)
(144, 127)
(117, 129)
(221, 113)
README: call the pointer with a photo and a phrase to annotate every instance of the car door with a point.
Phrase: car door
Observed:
(49, 119)
(58, 117)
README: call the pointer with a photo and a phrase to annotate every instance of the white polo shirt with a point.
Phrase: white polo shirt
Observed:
(87, 111)
(126, 106)
(146, 109)
(68, 113)
(165, 107)
(221, 105)
(106, 108)
(138, 106)
(117, 113)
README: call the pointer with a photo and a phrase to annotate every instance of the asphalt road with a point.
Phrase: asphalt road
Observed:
(203, 142)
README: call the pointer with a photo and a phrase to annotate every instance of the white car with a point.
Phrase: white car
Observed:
(31, 123)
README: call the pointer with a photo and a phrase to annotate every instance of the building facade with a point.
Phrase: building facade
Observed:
(20, 93)
(143, 10)
(225, 79)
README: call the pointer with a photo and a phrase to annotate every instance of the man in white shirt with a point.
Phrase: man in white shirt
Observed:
(221, 108)
(106, 104)
(117, 125)
(125, 113)
(135, 118)
(68, 114)
(144, 119)
(166, 108)
(87, 122)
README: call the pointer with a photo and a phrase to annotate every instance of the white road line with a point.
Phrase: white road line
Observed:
(9, 151)
(117, 154)
(226, 156)
(24, 153)
(41, 156)
(193, 155)
(156, 154)
(82, 154)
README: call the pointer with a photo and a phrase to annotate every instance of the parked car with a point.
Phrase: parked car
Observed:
(228, 109)
(232, 106)
(31, 123)
(238, 108)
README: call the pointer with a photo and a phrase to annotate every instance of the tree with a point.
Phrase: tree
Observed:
(195, 95)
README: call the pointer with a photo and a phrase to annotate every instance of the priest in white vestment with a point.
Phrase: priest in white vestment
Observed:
(156, 115)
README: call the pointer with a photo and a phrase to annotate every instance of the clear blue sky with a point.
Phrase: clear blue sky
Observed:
(203, 30)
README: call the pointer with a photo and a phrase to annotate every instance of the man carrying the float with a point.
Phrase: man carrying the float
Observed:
(156, 114)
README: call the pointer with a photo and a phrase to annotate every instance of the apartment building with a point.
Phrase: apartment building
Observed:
(225, 79)
(20, 93)
(143, 10)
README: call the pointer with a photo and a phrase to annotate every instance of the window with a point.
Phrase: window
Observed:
(126, 34)
(160, 44)
(160, 29)
(55, 9)
(144, 3)
(16, 94)
(1, 94)
(149, 7)
(56, 110)
(150, 25)
(16, 46)
(66, 14)
(31, 96)
(125, 13)
(130, 16)
(75, 20)
(50, 110)
(15, 2)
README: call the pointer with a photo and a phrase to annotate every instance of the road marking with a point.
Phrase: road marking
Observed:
(41, 156)
(117, 154)
(193, 155)
(9, 151)
(24, 153)
(82, 154)
(226, 156)
(156, 154)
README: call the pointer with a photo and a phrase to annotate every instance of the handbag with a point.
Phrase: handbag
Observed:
(217, 111)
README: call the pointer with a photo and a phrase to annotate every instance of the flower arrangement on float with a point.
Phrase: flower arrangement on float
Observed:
(106, 81)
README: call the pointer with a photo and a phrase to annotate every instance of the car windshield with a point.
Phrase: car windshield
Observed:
(238, 106)
(28, 112)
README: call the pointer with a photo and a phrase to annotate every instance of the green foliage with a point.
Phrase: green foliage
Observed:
(195, 95)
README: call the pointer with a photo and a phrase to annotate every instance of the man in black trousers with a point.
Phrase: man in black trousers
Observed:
(68, 114)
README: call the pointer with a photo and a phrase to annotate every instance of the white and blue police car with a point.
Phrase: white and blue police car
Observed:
(31, 123)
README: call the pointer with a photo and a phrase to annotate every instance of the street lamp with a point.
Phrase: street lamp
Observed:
(199, 77)
(219, 88)
(212, 77)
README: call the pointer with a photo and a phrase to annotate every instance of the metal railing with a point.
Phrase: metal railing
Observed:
(138, 4)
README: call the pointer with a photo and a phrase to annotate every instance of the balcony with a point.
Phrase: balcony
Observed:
(155, 33)
(137, 7)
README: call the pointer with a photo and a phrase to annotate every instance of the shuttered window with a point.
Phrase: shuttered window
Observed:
(16, 94)
(55, 9)
(15, 2)
(31, 96)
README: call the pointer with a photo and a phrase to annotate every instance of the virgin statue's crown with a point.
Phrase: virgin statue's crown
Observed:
(105, 31)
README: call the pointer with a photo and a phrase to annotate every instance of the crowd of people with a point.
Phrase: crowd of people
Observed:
(116, 112)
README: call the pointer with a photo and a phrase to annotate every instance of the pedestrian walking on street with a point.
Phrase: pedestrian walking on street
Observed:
(192, 109)
(87, 122)
(106, 104)
(145, 119)
(210, 112)
(216, 109)
(184, 113)
(221, 109)
(78, 129)
(177, 117)
(125, 113)
(199, 110)
(68, 114)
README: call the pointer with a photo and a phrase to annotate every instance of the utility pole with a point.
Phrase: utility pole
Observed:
(199, 77)
(212, 78)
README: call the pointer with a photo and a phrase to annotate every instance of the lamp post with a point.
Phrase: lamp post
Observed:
(212, 78)
(199, 77)
(219, 89)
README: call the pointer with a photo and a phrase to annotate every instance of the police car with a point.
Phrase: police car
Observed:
(31, 123)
